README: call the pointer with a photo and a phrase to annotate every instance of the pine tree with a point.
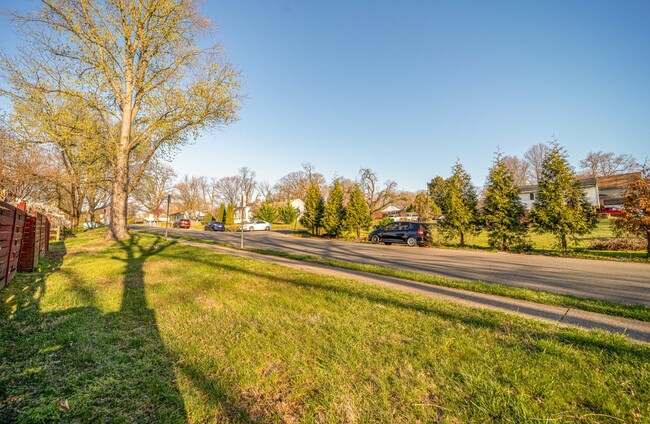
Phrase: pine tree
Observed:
(459, 205)
(334, 213)
(221, 215)
(561, 207)
(503, 211)
(267, 212)
(288, 213)
(311, 218)
(357, 212)
(230, 214)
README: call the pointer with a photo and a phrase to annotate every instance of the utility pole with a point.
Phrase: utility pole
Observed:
(241, 245)
(169, 197)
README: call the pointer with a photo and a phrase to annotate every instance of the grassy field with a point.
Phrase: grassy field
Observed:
(153, 331)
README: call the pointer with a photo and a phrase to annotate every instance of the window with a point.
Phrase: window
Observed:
(532, 196)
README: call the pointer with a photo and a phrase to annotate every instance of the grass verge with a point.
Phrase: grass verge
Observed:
(638, 312)
(154, 331)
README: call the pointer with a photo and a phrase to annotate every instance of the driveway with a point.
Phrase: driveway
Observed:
(621, 282)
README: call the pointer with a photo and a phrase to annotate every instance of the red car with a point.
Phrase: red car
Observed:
(182, 223)
(611, 211)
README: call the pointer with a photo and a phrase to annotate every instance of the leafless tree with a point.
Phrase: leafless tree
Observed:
(376, 197)
(229, 190)
(518, 168)
(605, 164)
(534, 157)
(154, 187)
(190, 192)
(248, 184)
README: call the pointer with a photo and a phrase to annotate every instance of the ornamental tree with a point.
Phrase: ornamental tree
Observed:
(635, 215)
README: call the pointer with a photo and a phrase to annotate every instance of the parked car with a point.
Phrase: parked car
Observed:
(215, 226)
(410, 233)
(257, 225)
(611, 211)
(181, 223)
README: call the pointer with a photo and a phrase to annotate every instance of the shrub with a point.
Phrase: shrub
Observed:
(618, 243)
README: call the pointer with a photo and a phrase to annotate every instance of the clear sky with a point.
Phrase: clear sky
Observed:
(407, 88)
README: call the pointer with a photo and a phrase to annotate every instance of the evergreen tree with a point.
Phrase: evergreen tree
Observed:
(313, 215)
(230, 214)
(459, 205)
(334, 213)
(207, 218)
(267, 212)
(357, 212)
(288, 213)
(503, 211)
(425, 207)
(561, 207)
(221, 215)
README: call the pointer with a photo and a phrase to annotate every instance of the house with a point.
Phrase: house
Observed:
(528, 193)
(391, 211)
(298, 205)
(611, 190)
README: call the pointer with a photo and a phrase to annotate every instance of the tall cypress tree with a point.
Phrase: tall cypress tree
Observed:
(221, 215)
(230, 214)
(357, 212)
(334, 213)
(561, 207)
(503, 211)
(311, 218)
(460, 205)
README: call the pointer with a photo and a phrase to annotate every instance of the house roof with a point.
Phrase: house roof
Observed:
(620, 181)
(391, 208)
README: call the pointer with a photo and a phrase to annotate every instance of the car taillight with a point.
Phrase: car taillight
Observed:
(420, 232)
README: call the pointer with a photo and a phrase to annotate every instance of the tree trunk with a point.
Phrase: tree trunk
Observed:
(563, 242)
(462, 239)
(120, 186)
(647, 236)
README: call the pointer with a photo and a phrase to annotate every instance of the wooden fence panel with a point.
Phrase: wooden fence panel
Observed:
(27, 248)
(12, 223)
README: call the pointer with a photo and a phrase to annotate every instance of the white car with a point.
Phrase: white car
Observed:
(257, 225)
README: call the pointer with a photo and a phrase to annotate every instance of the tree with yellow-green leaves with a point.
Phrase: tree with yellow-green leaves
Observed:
(136, 67)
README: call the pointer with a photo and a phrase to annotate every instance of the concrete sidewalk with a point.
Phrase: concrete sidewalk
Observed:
(636, 330)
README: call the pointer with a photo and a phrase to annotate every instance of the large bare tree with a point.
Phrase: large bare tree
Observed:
(154, 187)
(535, 157)
(605, 164)
(518, 168)
(137, 65)
(376, 196)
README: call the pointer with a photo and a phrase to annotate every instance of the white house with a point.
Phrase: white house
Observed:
(528, 194)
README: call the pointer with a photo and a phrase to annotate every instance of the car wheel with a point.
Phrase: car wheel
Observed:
(374, 239)
(267, 229)
(251, 229)
(411, 241)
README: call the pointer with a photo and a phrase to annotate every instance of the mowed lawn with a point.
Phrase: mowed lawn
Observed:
(153, 331)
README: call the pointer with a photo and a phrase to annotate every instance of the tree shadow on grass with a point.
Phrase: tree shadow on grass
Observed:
(81, 364)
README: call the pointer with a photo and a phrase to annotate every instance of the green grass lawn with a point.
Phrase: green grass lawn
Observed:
(153, 331)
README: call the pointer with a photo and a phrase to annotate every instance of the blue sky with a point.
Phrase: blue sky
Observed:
(407, 88)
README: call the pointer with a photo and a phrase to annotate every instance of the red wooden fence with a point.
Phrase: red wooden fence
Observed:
(24, 239)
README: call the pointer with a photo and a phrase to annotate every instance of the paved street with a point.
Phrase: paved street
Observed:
(616, 281)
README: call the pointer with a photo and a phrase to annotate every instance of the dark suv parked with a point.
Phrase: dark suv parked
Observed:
(411, 233)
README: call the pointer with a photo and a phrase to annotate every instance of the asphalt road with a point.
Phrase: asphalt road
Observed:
(621, 282)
